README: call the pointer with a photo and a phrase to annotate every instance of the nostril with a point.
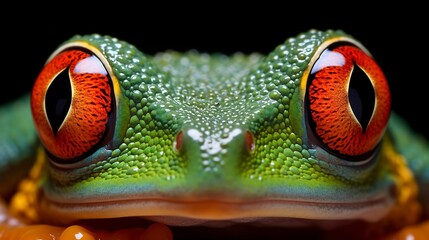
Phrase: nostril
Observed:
(250, 141)
(178, 144)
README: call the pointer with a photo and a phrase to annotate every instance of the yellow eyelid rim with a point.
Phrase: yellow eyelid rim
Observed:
(99, 55)
(316, 55)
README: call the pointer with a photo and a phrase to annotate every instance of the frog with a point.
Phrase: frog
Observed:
(301, 137)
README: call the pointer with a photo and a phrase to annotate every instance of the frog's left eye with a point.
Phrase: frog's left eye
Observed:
(72, 103)
(347, 100)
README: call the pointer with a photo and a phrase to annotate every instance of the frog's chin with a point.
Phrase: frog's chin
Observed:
(214, 212)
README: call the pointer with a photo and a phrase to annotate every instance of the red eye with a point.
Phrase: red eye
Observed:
(348, 100)
(71, 103)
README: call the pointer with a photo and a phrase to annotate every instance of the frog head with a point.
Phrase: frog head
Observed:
(190, 138)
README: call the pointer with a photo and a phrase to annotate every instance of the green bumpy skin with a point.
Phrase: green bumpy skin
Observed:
(215, 101)
(18, 144)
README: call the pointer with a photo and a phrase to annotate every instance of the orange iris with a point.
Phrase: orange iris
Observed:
(348, 99)
(71, 103)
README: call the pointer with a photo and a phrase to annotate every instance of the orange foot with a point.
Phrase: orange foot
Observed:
(76, 232)
(416, 232)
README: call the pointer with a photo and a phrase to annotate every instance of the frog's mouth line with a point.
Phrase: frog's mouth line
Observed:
(188, 213)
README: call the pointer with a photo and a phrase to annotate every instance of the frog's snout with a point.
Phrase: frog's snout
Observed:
(219, 152)
(212, 144)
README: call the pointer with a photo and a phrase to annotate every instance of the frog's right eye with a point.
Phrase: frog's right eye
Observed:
(348, 100)
(72, 103)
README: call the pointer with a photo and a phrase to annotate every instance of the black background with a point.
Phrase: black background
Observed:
(395, 38)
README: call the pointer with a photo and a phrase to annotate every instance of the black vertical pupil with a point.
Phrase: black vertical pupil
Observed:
(361, 96)
(58, 100)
